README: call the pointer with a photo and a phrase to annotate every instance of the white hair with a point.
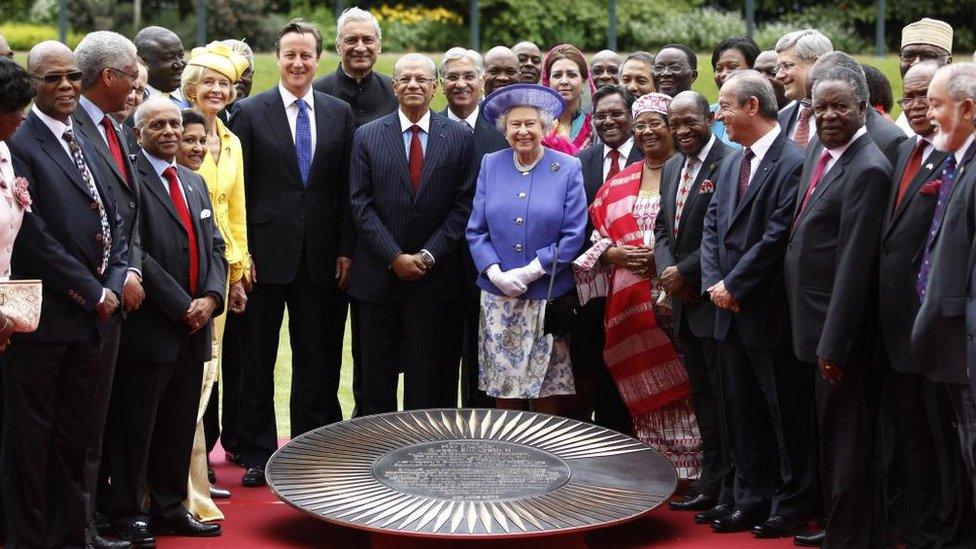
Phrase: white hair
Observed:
(454, 54)
(548, 120)
(356, 14)
(412, 57)
(961, 81)
(140, 113)
(807, 44)
(102, 50)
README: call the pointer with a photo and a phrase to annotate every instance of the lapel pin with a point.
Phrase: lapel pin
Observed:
(929, 166)
(554, 167)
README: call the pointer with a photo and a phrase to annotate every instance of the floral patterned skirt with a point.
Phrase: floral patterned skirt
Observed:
(516, 358)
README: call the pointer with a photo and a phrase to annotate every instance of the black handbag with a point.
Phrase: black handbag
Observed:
(563, 313)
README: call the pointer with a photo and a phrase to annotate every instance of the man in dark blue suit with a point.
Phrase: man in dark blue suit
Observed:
(412, 177)
(463, 74)
(769, 400)
(74, 241)
(831, 276)
(687, 188)
(296, 144)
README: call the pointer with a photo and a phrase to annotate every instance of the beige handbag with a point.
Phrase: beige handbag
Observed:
(20, 301)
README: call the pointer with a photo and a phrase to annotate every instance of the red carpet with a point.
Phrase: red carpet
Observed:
(255, 518)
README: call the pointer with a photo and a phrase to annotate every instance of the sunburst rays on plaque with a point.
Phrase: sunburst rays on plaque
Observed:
(608, 477)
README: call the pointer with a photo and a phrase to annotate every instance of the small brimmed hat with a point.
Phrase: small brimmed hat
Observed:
(521, 95)
(218, 57)
(928, 31)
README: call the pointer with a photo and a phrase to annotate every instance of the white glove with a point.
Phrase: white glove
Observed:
(530, 273)
(506, 281)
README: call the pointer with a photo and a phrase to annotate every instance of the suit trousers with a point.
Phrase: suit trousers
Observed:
(152, 419)
(315, 362)
(928, 500)
(769, 412)
(964, 407)
(586, 351)
(707, 396)
(408, 333)
(104, 378)
(470, 323)
(48, 391)
(847, 415)
(231, 362)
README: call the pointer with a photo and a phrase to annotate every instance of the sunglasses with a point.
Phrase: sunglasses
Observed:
(55, 78)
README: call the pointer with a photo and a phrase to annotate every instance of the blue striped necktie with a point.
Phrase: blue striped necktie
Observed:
(303, 141)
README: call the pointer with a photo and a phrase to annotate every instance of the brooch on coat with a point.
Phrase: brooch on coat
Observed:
(554, 167)
(931, 188)
(707, 186)
(20, 193)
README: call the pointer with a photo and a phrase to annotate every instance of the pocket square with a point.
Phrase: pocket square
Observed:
(707, 186)
(205, 213)
(931, 188)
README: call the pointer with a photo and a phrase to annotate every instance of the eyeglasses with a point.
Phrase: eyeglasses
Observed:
(616, 115)
(467, 77)
(660, 70)
(123, 73)
(907, 102)
(653, 125)
(405, 80)
(784, 66)
(56, 77)
(922, 56)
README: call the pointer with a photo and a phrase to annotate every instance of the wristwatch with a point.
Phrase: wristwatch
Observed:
(427, 258)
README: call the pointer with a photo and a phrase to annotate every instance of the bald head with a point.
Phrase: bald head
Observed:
(45, 51)
(605, 68)
(692, 99)
(501, 68)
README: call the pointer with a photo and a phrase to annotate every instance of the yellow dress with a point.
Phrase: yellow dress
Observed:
(225, 184)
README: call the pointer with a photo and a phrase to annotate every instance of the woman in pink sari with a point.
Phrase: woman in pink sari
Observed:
(620, 265)
(565, 70)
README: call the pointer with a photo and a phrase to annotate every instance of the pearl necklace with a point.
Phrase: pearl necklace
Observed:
(525, 168)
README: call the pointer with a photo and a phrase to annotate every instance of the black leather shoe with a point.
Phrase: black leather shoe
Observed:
(211, 476)
(813, 539)
(700, 502)
(231, 457)
(777, 527)
(736, 521)
(707, 517)
(186, 526)
(98, 542)
(219, 493)
(254, 476)
(137, 533)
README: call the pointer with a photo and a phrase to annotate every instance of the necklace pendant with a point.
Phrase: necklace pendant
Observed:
(525, 173)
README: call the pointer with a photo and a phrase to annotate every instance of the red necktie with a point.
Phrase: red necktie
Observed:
(911, 170)
(818, 172)
(416, 158)
(802, 135)
(115, 148)
(184, 213)
(614, 164)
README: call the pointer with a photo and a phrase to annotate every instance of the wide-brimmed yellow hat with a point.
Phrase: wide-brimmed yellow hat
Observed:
(218, 57)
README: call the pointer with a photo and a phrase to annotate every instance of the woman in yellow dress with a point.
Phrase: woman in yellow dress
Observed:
(208, 85)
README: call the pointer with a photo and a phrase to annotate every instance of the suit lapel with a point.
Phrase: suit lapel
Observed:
(278, 122)
(594, 169)
(52, 147)
(932, 165)
(322, 121)
(961, 170)
(394, 142)
(759, 178)
(89, 129)
(155, 185)
(194, 207)
(435, 149)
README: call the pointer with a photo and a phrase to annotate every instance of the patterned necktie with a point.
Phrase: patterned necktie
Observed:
(115, 147)
(818, 172)
(745, 171)
(105, 237)
(614, 164)
(416, 158)
(303, 141)
(686, 180)
(802, 135)
(911, 170)
(184, 214)
(948, 181)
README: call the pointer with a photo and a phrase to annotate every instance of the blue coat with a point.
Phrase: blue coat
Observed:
(516, 218)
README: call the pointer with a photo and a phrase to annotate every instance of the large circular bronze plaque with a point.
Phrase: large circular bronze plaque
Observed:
(470, 473)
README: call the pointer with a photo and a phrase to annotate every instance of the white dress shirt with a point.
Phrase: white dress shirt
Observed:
(836, 153)
(57, 127)
(405, 125)
(760, 148)
(471, 119)
(624, 150)
(291, 111)
(161, 166)
(95, 114)
(962, 150)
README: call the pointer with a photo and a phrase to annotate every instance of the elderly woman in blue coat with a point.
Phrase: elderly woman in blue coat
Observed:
(526, 226)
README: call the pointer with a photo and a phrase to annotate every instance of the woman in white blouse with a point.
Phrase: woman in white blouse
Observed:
(14, 196)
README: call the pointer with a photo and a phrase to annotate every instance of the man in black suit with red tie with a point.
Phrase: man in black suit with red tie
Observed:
(296, 144)
(924, 472)
(109, 66)
(166, 341)
(767, 395)
(616, 149)
(687, 188)
(831, 274)
(412, 180)
(73, 240)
